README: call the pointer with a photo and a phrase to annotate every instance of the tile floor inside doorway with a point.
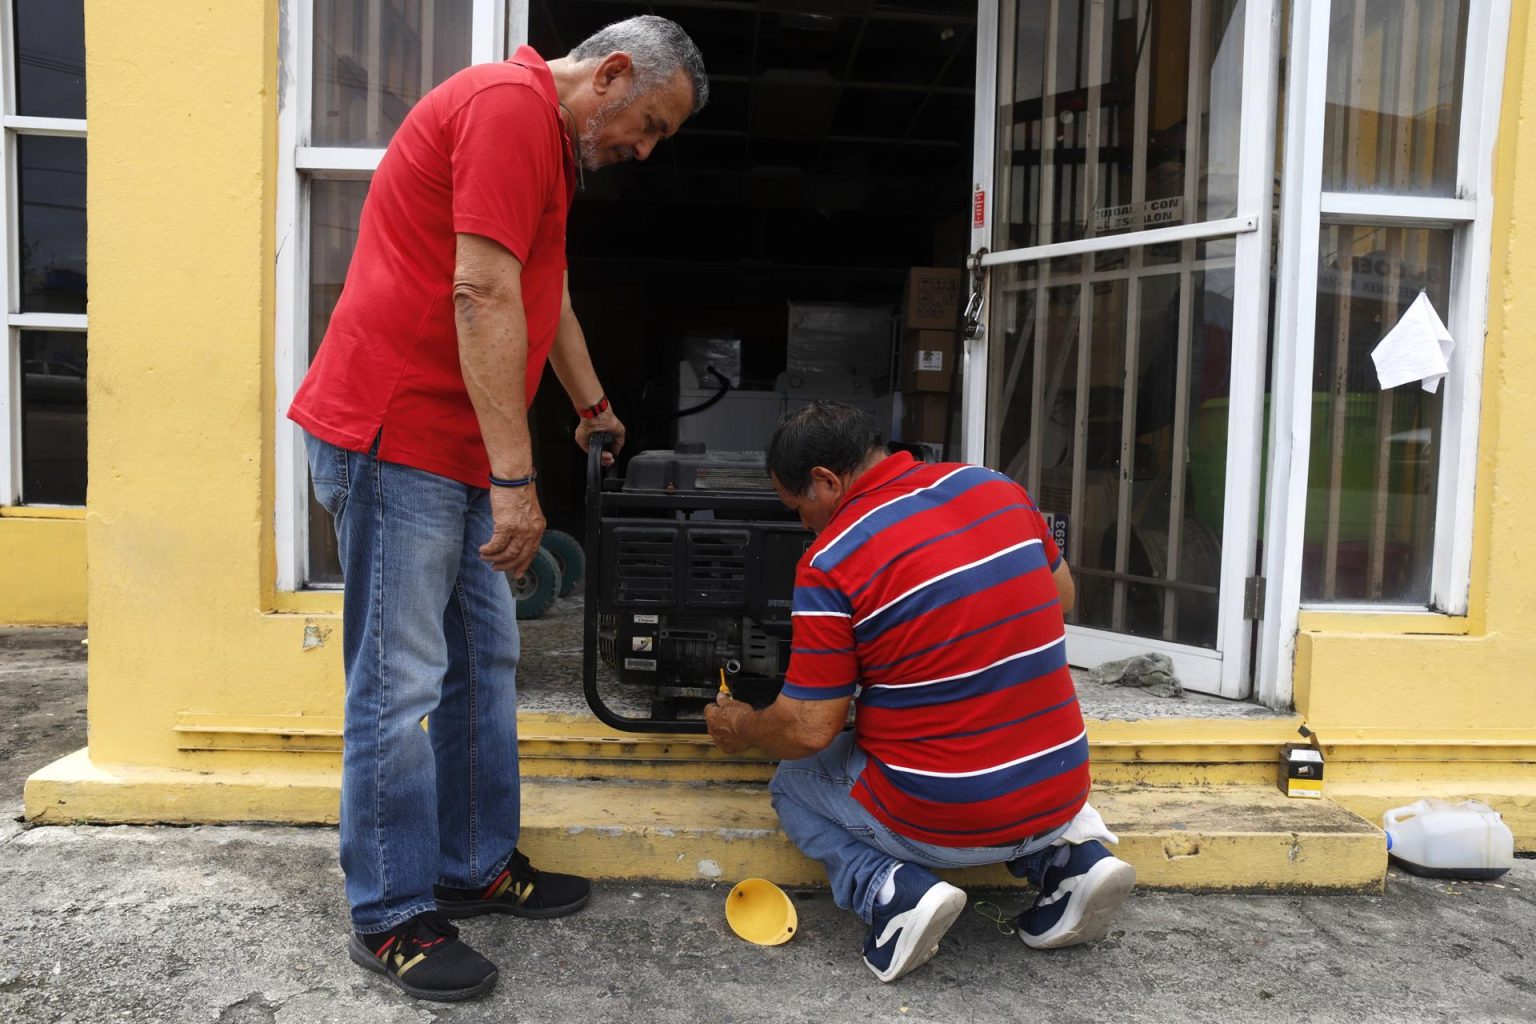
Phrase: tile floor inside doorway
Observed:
(549, 681)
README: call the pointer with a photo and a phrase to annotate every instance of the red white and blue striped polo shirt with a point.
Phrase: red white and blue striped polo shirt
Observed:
(929, 598)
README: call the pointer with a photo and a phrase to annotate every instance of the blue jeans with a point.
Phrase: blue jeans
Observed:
(813, 797)
(428, 630)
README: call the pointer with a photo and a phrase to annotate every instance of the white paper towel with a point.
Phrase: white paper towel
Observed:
(1418, 348)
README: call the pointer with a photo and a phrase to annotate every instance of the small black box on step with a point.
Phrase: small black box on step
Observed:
(1301, 771)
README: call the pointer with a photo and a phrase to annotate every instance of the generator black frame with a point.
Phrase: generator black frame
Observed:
(599, 501)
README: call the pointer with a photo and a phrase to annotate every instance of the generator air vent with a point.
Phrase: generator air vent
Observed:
(644, 563)
(717, 567)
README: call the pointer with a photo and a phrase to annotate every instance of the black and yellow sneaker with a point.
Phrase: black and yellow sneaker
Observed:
(425, 957)
(521, 889)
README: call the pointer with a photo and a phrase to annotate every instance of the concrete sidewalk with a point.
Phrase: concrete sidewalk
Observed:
(248, 924)
(241, 924)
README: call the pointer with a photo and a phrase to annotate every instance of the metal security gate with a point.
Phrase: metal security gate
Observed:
(1122, 226)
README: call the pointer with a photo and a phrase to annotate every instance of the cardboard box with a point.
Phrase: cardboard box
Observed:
(741, 421)
(836, 338)
(932, 299)
(927, 360)
(924, 417)
(1301, 771)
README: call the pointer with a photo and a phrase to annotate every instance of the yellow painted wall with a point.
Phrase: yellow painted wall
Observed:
(42, 567)
(1358, 681)
(182, 152)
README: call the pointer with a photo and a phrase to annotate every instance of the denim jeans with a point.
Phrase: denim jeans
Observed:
(813, 798)
(429, 631)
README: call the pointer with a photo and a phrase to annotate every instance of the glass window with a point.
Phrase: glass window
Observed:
(50, 58)
(53, 417)
(1138, 127)
(1134, 478)
(51, 195)
(371, 62)
(373, 59)
(1394, 96)
(334, 209)
(1374, 466)
(46, 177)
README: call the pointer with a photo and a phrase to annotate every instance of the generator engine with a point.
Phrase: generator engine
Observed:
(695, 565)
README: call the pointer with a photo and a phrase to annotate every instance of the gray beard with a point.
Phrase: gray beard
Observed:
(595, 124)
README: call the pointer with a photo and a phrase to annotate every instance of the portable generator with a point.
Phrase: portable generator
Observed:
(690, 575)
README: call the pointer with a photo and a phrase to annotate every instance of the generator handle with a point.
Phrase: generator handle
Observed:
(593, 544)
(596, 445)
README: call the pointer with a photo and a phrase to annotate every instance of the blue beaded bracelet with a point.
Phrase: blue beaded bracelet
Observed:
(522, 481)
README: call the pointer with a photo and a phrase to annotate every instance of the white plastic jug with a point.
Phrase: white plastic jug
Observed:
(1440, 839)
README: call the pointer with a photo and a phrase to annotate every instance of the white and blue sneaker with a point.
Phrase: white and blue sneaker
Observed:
(905, 932)
(1081, 887)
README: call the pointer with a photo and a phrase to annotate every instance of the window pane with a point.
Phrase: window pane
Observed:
(334, 209)
(1114, 142)
(1134, 478)
(50, 58)
(373, 59)
(53, 418)
(1394, 96)
(1374, 465)
(51, 194)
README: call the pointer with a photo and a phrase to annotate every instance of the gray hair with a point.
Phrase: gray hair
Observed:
(657, 47)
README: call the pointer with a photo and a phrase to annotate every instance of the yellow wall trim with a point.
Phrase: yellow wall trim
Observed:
(1410, 623)
(307, 602)
(41, 512)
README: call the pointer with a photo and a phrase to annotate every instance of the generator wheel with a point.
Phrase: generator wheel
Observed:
(569, 556)
(536, 589)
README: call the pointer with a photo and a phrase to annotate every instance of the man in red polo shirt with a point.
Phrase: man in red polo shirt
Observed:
(932, 599)
(415, 413)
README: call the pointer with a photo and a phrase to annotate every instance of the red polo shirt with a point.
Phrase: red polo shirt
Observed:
(930, 599)
(485, 153)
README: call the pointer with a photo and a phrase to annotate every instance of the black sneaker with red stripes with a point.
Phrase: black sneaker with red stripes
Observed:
(521, 889)
(425, 957)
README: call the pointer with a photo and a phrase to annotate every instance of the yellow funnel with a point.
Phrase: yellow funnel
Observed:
(760, 912)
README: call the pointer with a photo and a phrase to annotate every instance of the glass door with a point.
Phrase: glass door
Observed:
(1121, 218)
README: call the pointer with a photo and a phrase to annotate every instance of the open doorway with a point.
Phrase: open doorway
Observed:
(834, 156)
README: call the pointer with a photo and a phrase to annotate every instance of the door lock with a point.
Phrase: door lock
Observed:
(971, 322)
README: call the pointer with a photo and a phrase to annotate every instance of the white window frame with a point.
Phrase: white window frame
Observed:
(497, 28)
(1304, 208)
(14, 125)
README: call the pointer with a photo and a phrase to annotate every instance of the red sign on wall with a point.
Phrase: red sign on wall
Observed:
(979, 209)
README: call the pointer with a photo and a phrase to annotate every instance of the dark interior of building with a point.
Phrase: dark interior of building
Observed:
(834, 154)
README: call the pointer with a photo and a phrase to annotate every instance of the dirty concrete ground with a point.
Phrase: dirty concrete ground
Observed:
(42, 702)
(246, 925)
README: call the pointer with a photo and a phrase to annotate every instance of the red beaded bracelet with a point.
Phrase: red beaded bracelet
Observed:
(595, 411)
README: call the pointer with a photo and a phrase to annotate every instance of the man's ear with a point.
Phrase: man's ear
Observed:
(612, 68)
(821, 474)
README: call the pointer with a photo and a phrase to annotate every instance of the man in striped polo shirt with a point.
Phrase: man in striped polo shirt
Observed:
(932, 599)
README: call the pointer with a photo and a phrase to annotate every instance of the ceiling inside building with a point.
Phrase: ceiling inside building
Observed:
(838, 135)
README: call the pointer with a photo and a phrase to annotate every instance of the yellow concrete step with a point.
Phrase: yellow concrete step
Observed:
(1220, 837)
(1156, 752)
(1161, 752)
(1183, 837)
